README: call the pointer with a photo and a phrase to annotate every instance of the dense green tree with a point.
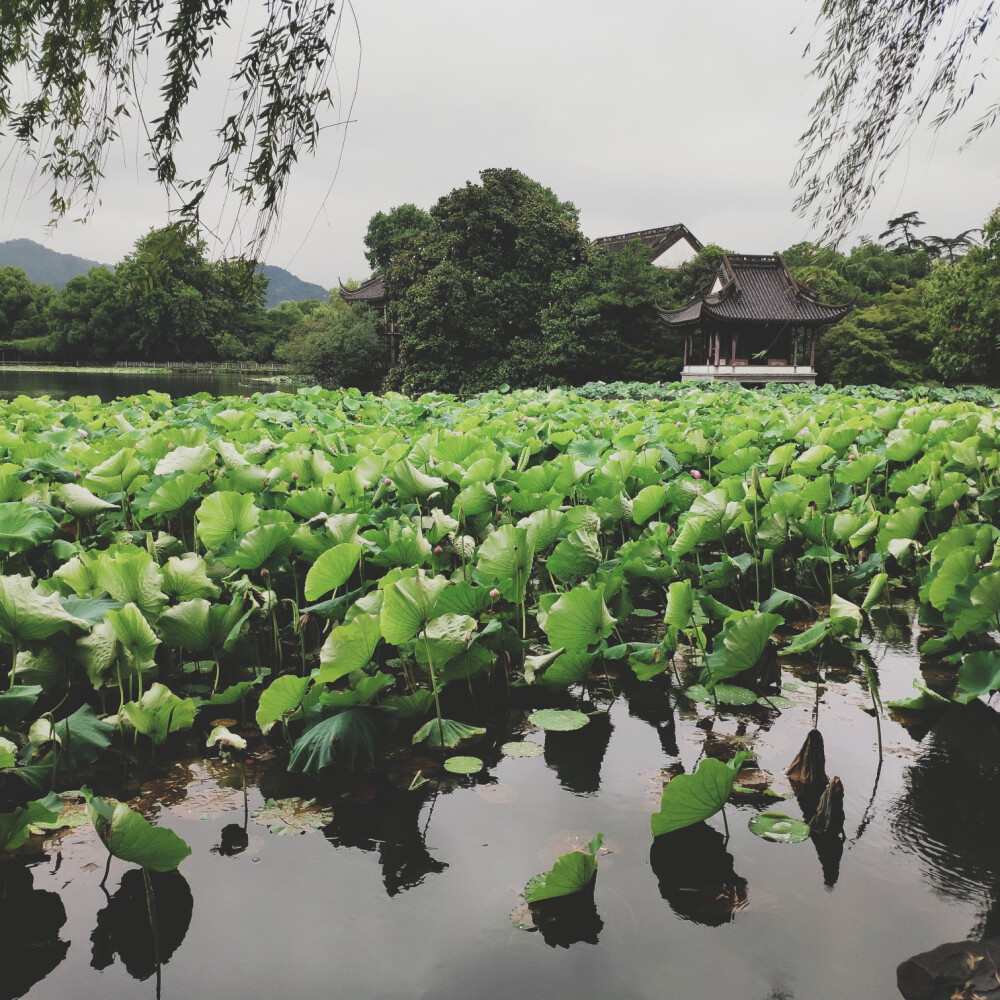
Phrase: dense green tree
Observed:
(88, 321)
(182, 306)
(390, 233)
(469, 291)
(336, 345)
(22, 306)
(963, 312)
(887, 343)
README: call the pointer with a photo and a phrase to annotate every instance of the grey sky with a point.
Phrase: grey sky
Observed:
(641, 113)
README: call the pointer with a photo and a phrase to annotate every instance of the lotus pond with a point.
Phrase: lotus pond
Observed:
(350, 695)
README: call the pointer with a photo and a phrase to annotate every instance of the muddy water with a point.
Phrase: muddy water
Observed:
(409, 894)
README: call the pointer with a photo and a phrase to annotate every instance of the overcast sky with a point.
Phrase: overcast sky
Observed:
(642, 114)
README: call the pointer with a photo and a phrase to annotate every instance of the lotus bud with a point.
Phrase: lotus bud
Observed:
(387, 481)
(171, 446)
(82, 432)
(506, 499)
(677, 423)
(265, 572)
(494, 594)
(295, 477)
(76, 472)
(695, 474)
(956, 505)
(438, 550)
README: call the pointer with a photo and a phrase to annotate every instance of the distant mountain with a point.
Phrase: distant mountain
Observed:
(48, 267)
(285, 287)
(42, 265)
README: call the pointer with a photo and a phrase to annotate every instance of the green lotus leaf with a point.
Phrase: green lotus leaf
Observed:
(23, 526)
(504, 562)
(194, 459)
(522, 748)
(732, 694)
(185, 578)
(332, 570)
(984, 606)
(98, 652)
(576, 556)
(8, 753)
(412, 484)
(281, 699)
(449, 733)
(463, 765)
(15, 826)
(349, 647)
(169, 497)
(558, 720)
(680, 604)
(809, 639)
(199, 625)
(409, 605)
(225, 517)
(130, 837)
(578, 619)
(79, 501)
(535, 665)
(409, 706)
(648, 502)
(570, 668)
(463, 599)
(27, 615)
(979, 674)
(779, 828)
(134, 633)
(444, 637)
(132, 576)
(925, 700)
(158, 713)
(691, 798)
(572, 872)
(16, 703)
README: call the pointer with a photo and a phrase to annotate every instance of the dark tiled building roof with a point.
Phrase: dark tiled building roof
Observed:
(658, 240)
(370, 292)
(756, 289)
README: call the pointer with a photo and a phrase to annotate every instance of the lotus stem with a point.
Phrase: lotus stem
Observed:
(434, 688)
(13, 665)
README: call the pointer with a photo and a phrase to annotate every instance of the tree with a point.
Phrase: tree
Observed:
(22, 305)
(886, 343)
(389, 234)
(901, 232)
(88, 321)
(84, 63)
(337, 345)
(963, 312)
(885, 65)
(469, 291)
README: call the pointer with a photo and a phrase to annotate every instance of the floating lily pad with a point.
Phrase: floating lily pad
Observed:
(522, 748)
(780, 828)
(463, 765)
(293, 815)
(732, 694)
(558, 720)
(775, 701)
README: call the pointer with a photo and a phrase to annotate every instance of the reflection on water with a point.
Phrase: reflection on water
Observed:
(576, 757)
(568, 920)
(696, 875)
(949, 812)
(30, 922)
(123, 926)
(62, 385)
(389, 826)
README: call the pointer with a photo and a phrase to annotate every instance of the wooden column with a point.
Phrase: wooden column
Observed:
(687, 341)
(812, 349)
(732, 350)
(795, 352)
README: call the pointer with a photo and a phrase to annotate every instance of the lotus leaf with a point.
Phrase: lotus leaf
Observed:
(572, 872)
(332, 570)
(158, 713)
(558, 720)
(130, 837)
(445, 732)
(463, 765)
(780, 828)
(691, 798)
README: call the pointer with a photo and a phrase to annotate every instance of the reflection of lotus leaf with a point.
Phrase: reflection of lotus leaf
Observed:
(292, 815)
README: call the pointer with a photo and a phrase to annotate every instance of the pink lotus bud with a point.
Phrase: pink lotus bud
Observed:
(695, 474)
(670, 530)
(677, 423)
(82, 432)
(494, 593)
(438, 550)
(265, 572)
(506, 499)
(295, 477)
(171, 446)
(387, 481)
(76, 472)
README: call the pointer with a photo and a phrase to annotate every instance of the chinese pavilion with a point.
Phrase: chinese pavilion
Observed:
(756, 324)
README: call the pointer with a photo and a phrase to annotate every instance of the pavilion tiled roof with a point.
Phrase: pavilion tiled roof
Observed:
(370, 292)
(658, 240)
(756, 288)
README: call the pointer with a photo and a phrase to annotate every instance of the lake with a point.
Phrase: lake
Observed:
(395, 893)
(63, 384)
